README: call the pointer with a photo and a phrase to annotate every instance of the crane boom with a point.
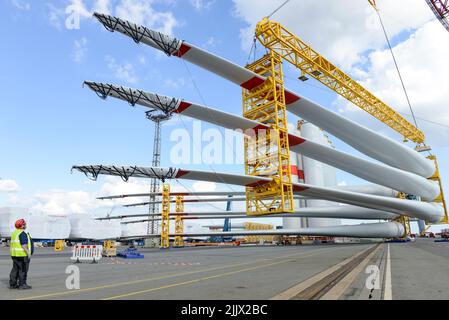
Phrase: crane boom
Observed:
(440, 9)
(278, 39)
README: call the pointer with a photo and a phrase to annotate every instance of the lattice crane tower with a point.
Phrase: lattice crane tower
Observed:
(158, 118)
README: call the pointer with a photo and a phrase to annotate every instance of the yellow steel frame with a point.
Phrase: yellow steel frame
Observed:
(440, 199)
(179, 222)
(278, 39)
(258, 226)
(109, 244)
(109, 249)
(422, 234)
(404, 220)
(267, 152)
(165, 222)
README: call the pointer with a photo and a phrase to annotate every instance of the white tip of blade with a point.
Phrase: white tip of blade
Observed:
(138, 33)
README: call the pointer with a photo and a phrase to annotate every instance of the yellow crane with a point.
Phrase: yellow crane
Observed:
(266, 104)
(278, 39)
(282, 44)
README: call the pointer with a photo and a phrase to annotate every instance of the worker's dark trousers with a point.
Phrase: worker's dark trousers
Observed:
(19, 272)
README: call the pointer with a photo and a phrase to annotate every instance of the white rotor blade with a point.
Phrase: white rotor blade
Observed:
(371, 171)
(371, 189)
(363, 139)
(431, 212)
(200, 200)
(222, 199)
(337, 212)
(182, 194)
(371, 230)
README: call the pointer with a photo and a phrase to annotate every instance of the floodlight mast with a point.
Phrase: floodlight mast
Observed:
(158, 118)
(163, 110)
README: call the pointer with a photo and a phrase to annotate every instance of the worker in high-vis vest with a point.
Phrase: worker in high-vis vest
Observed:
(21, 249)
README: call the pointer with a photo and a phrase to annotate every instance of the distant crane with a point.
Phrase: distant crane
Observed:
(226, 226)
(440, 9)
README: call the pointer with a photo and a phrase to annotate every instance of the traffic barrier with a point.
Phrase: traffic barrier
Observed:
(92, 253)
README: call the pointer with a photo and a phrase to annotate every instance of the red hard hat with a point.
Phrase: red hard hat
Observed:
(19, 223)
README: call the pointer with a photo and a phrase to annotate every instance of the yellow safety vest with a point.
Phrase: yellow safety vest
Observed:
(15, 247)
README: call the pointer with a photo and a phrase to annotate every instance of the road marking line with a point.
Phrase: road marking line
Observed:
(68, 292)
(295, 290)
(205, 278)
(336, 291)
(388, 294)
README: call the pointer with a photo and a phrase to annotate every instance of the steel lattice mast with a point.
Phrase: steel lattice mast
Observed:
(158, 119)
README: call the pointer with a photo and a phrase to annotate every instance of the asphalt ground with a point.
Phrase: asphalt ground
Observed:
(414, 270)
(420, 270)
(229, 273)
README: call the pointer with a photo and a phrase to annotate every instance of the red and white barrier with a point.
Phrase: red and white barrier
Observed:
(90, 253)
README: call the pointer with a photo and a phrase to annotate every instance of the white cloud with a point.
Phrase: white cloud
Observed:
(138, 11)
(55, 16)
(142, 60)
(142, 12)
(116, 186)
(200, 5)
(9, 186)
(124, 71)
(80, 50)
(21, 4)
(63, 203)
(103, 6)
(342, 184)
(340, 30)
(79, 7)
(175, 84)
(212, 42)
(14, 198)
(422, 59)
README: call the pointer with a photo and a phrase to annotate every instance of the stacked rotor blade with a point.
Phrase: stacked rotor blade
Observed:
(371, 171)
(338, 212)
(421, 210)
(400, 169)
(363, 139)
(371, 230)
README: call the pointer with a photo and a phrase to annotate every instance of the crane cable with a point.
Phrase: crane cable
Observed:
(278, 8)
(254, 44)
(373, 4)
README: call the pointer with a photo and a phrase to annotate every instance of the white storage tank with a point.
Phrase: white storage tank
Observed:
(86, 227)
(318, 174)
(45, 227)
(38, 226)
(8, 217)
(294, 223)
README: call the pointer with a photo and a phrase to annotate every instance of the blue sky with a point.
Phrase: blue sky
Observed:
(49, 122)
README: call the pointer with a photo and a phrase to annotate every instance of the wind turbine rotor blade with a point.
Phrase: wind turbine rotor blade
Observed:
(371, 230)
(431, 212)
(363, 139)
(371, 171)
